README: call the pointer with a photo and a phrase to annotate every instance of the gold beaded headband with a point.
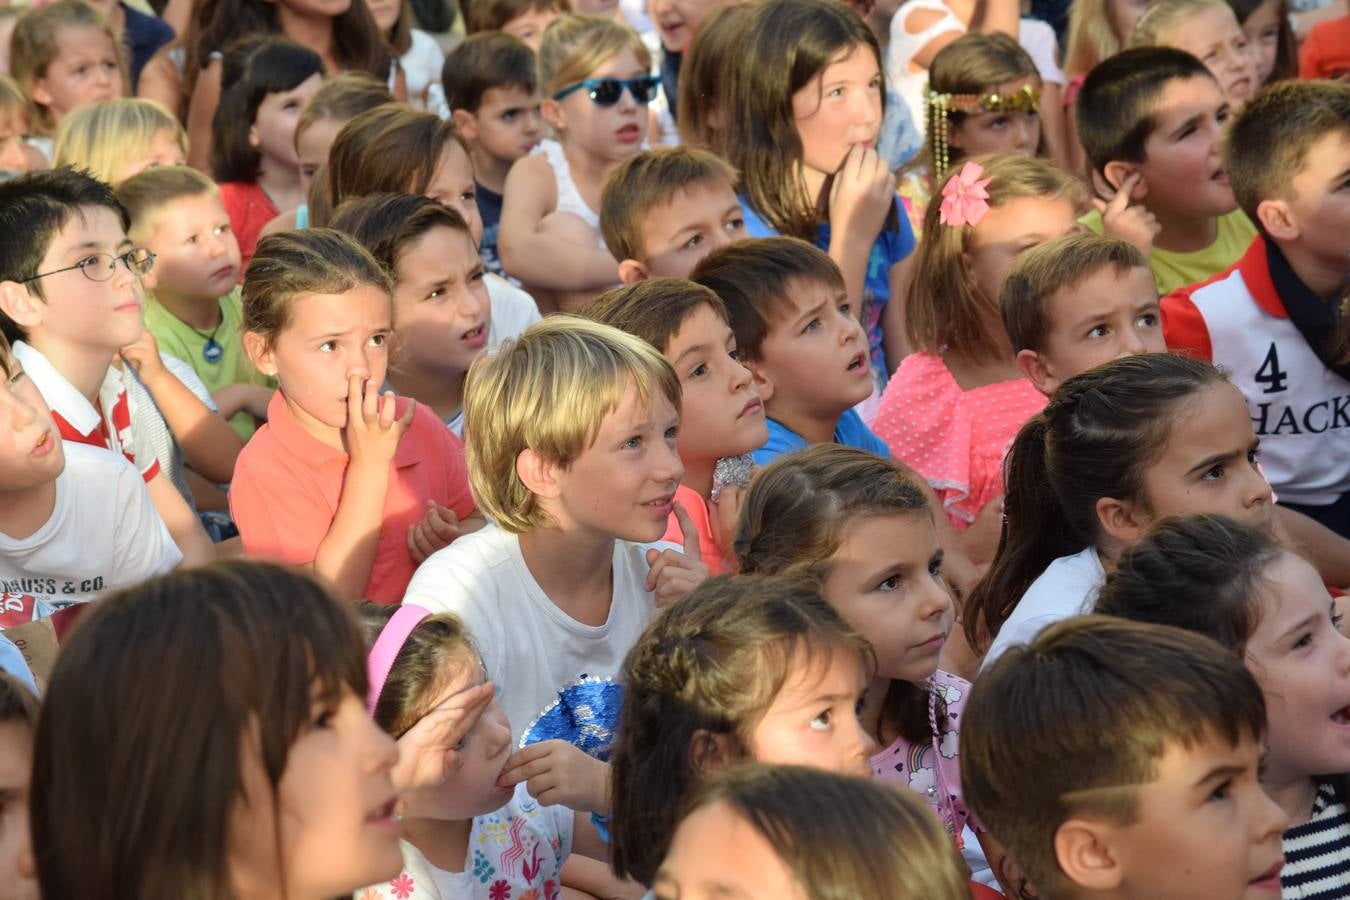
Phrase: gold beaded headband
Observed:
(939, 106)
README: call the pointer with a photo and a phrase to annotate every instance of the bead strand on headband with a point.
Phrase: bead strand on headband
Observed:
(941, 105)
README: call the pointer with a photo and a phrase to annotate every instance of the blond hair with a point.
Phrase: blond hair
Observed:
(944, 307)
(1092, 38)
(548, 391)
(1164, 15)
(1058, 265)
(33, 46)
(147, 193)
(641, 183)
(13, 97)
(575, 46)
(103, 137)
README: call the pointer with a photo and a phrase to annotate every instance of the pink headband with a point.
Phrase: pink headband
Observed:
(392, 637)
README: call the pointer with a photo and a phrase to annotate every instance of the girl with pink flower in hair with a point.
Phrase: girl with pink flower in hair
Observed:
(466, 832)
(954, 405)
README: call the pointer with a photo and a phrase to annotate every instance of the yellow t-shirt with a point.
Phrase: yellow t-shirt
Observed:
(1174, 270)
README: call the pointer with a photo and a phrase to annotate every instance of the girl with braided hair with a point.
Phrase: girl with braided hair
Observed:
(741, 669)
(1118, 448)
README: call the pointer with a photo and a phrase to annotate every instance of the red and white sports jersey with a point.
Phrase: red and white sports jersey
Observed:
(106, 425)
(1300, 409)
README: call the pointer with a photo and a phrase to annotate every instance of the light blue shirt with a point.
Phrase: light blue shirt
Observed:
(851, 432)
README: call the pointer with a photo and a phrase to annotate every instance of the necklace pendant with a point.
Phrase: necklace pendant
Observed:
(212, 352)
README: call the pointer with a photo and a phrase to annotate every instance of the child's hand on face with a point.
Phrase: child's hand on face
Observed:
(437, 529)
(372, 433)
(143, 356)
(427, 753)
(862, 194)
(673, 573)
(1133, 224)
(559, 774)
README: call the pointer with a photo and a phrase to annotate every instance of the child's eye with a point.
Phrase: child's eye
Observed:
(693, 242)
(328, 346)
(632, 443)
(1254, 455)
(16, 377)
(822, 721)
(1213, 473)
(379, 340)
(192, 239)
(1148, 320)
(935, 566)
(1222, 791)
(1097, 331)
(81, 70)
(699, 371)
(736, 224)
(811, 326)
(999, 123)
(510, 115)
(468, 196)
(478, 275)
(435, 292)
(324, 718)
(846, 309)
(1304, 640)
(890, 584)
(222, 229)
(672, 433)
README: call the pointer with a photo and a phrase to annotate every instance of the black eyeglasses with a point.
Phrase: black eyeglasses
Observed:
(102, 266)
(607, 91)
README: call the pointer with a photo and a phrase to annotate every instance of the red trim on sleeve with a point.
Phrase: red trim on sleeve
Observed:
(1184, 328)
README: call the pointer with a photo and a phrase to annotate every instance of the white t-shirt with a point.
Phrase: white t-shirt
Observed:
(514, 853)
(555, 677)
(513, 310)
(422, 71)
(1067, 587)
(103, 534)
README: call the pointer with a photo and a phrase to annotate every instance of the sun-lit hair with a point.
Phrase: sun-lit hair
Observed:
(574, 46)
(103, 138)
(843, 836)
(944, 306)
(548, 391)
(643, 183)
(1059, 265)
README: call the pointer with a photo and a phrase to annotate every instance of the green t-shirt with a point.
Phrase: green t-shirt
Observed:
(1176, 270)
(179, 339)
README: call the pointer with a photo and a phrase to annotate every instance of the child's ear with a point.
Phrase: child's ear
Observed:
(1123, 520)
(710, 754)
(254, 139)
(260, 353)
(538, 474)
(150, 280)
(39, 94)
(763, 383)
(466, 123)
(1085, 854)
(631, 271)
(1277, 219)
(23, 307)
(552, 112)
(1032, 365)
(1115, 173)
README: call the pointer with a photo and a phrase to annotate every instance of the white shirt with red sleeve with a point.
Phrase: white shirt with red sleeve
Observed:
(1300, 409)
(107, 424)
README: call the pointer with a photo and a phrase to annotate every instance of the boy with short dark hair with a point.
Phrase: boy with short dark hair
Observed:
(70, 301)
(799, 336)
(1151, 120)
(721, 415)
(1273, 319)
(663, 210)
(75, 520)
(493, 93)
(1110, 757)
(1077, 302)
(194, 311)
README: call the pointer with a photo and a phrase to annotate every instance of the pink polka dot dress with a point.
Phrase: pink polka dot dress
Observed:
(955, 439)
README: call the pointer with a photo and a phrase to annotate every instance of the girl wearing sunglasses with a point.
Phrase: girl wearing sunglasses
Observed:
(595, 76)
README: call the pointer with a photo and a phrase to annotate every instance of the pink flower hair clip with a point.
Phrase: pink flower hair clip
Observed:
(965, 197)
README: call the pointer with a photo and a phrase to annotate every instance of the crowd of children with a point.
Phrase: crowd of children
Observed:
(681, 449)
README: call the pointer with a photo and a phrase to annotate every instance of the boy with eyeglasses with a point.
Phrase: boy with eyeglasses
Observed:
(70, 301)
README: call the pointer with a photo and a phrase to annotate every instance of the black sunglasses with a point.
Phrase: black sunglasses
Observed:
(607, 91)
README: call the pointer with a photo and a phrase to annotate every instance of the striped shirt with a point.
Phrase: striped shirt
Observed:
(1317, 853)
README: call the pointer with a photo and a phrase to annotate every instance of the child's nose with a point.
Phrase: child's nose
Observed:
(382, 751)
(740, 377)
(860, 748)
(1270, 820)
(936, 600)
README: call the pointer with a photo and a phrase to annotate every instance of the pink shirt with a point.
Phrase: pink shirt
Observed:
(287, 484)
(694, 504)
(955, 439)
